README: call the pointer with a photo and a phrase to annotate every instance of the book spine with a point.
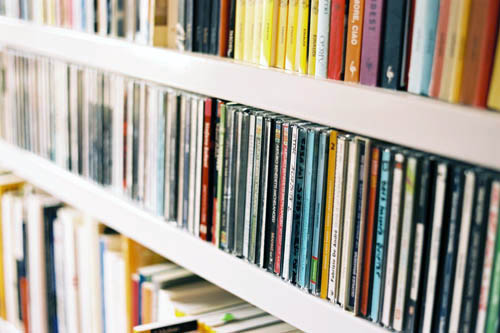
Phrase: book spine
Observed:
(268, 31)
(323, 36)
(249, 30)
(249, 209)
(227, 28)
(281, 198)
(189, 17)
(215, 171)
(264, 192)
(193, 149)
(214, 27)
(327, 233)
(308, 208)
(489, 253)
(241, 154)
(354, 40)
(258, 159)
(492, 323)
(313, 33)
(180, 26)
(239, 30)
(337, 218)
(302, 37)
(384, 200)
(435, 243)
(298, 204)
(220, 173)
(258, 22)
(187, 148)
(274, 196)
(282, 34)
(206, 173)
(319, 209)
(337, 39)
(393, 54)
(407, 230)
(494, 92)
(370, 232)
(424, 41)
(291, 34)
(370, 49)
(290, 203)
(393, 239)
(439, 48)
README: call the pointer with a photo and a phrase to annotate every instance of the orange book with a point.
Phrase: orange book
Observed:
(23, 285)
(147, 303)
(354, 35)
(223, 27)
(440, 48)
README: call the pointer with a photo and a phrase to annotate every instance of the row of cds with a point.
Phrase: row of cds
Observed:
(443, 49)
(403, 238)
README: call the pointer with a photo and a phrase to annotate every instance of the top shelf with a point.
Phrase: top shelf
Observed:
(464, 133)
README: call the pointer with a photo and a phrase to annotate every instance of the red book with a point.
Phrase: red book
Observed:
(479, 52)
(206, 173)
(215, 173)
(370, 230)
(439, 49)
(23, 286)
(337, 39)
(282, 194)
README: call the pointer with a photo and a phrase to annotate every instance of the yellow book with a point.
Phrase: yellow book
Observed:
(257, 30)
(135, 256)
(302, 37)
(449, 52)
(313, 33)
(281, 42)
(239, 30)
(158, 16)
(8, 182)
(249, 30)
(494, 93)
(291, 34)
(327, 236)
(269, 33)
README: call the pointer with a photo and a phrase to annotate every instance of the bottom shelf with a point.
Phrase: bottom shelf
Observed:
(256, 286)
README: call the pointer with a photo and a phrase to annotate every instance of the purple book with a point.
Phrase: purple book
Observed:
(370, 50)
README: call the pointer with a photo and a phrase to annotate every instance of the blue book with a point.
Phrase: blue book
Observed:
(308, 208)
(384, 204)
(298, 203)
(102, 249)
(160, 177)
(424, 40)
(450, 254)
(83, 9)
(319, 212)
(187, 149)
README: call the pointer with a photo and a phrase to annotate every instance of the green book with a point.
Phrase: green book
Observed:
(492, 321)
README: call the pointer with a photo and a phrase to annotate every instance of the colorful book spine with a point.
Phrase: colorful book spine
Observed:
(291, 34)
(239, 30)
(440, 47)
(370, 50)
(226, 24)
(313, 33)
(494, 92)
(319, 209)
(479, 52)
(282, 34)
(206, 187)
(258, 23)
(354, 40)
(271, 12)
(308, 208)
(370, 232)
(380, 237)
(302, 37)
(337, 39)
(322, 38)
(327, 233)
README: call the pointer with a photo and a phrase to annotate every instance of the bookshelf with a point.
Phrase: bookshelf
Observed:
(463, 133)
(264, 290)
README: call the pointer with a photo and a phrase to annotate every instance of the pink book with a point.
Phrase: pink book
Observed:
(370, 49)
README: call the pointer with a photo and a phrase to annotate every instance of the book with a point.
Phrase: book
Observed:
(249, 29)
(494, 91)
(313, 33)
(258, 22)
(337, 40)
(371, 42)
(272, 19)
(208, 165)
(249, 184)
(493, 301)
(256, 194)
(479, 52)
(354, 40)
(179, 325)
(221, 139)
(239, 30)
(227, 29)
(291, 34)
(322, 39)
(213, 33)
(301, 46)
(440, 47)
(281, 39)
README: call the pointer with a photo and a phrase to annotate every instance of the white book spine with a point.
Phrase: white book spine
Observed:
(337, 219)
(73, 110)
(192, 162)
(199, 165)
(290, 204)
(437, 224)
(109, 285)
(59, 274)
(489, 255)
(118, 90)
(142, 143)
(103, 17)
(129, 138)
(392, 248)
(350, 200)
(249, 188)
(119, 296)
(85, 123)
(90, 15)
(182, 147)
(322, 39)
(130, 19)
(171, 151)
(77, 14)
(417, 49)
(150, 146)
(404, 253)
(463, 248)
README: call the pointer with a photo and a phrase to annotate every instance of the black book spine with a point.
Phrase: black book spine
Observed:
(393, 52)
(206, 18)
(470, 298)
(189, 25)
(200, 16)
(214, 27)
(231, 29)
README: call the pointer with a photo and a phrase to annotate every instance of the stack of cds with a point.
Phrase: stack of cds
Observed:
(405, 239)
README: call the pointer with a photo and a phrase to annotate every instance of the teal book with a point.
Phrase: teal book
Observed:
(381, 233)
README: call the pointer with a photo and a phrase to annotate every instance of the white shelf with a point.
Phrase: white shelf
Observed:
(263, 289)
(454, 131)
